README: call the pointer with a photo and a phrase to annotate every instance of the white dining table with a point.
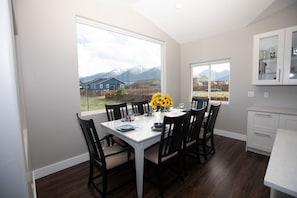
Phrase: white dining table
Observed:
(140, 138)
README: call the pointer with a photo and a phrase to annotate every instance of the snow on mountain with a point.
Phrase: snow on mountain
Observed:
(115, 72)
(138, 72)
(141, 73)
(133, 74)
(138, 69)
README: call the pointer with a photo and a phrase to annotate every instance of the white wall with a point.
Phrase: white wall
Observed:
(14, 181)
(238, 45)
(48, 57)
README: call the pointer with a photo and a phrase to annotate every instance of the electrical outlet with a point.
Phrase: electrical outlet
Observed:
(251, 94)
(266, 94)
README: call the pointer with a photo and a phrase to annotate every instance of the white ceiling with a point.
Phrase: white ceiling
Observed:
(202, 18)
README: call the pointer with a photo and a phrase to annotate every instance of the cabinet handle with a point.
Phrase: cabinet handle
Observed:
(262, 134)
(279, 74)
(266, 115)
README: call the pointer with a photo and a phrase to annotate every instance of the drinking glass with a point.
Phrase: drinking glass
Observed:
(181, 105)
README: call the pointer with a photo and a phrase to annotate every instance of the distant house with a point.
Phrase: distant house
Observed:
(103, 84)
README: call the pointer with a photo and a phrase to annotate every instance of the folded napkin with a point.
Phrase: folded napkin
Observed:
(125, 127)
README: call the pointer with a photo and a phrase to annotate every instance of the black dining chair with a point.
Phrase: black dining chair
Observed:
(199, 102)
(105, 160)
(206, 132)
(168, 152)
(116, 112)
(140, 107)
(191, 140)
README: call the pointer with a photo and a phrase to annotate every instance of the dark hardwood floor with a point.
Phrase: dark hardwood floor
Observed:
(230, 172)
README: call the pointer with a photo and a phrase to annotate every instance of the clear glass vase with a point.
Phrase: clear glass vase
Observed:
(159, 119)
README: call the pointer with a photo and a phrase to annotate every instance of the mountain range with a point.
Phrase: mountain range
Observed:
(141, 73)
(222, 75)
(133, 74)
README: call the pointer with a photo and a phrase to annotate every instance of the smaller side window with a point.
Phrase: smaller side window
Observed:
(211, 79)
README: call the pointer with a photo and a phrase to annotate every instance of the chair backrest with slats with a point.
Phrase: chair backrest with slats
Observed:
(93, 142)
(140, 107)
(199, 103)
(172, 136)
(195, 123)
(211, 119)
(116, 111)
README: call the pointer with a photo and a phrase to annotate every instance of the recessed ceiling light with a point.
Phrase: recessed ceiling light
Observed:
(178, 5)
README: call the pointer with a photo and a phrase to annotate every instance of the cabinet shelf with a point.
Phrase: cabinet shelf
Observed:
(269, 60)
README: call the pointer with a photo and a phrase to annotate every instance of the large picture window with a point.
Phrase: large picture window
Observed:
(211, 79)
(116, 65)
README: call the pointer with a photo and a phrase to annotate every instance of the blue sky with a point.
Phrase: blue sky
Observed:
(218, 67)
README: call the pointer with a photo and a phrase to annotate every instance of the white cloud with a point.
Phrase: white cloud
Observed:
(102, 51)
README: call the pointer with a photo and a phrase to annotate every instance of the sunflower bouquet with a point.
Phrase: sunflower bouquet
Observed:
(160, 102)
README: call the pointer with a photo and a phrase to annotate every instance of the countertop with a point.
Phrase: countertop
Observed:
(270, 109)
(281, 173)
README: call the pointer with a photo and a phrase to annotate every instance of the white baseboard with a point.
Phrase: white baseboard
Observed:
(53, 168)
(231, 135)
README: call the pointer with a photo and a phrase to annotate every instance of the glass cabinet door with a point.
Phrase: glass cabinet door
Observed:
(290, 62)
(268, 57)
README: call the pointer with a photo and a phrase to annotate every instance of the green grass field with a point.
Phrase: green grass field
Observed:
(215, 94)
(95, 102)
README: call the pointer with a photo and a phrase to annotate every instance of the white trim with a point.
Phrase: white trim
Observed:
(33, 185)
(53, 168)
(231, 135)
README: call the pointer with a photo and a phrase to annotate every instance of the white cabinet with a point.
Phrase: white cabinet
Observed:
(275, 57)
(261, 131)
(288, 122)
(263, 124)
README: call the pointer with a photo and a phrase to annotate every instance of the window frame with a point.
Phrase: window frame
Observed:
(209, 63)
(107, 27)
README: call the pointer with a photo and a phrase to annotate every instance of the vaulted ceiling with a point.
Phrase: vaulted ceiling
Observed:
(196, 19)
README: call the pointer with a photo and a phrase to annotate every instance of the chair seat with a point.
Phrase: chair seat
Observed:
(152, 153)
(116, 160)
(119, 141)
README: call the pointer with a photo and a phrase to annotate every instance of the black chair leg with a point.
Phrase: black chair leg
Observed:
(90, 173)
(159, 182)
(204, 150)
(181, 168)
(197, 152)
(184, 163)
(212, 145)
(104, 185)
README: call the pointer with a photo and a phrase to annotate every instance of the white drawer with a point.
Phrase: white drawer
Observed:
(260, 140)
(263, 121)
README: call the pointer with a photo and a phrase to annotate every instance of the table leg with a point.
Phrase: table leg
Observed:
(139, 164)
